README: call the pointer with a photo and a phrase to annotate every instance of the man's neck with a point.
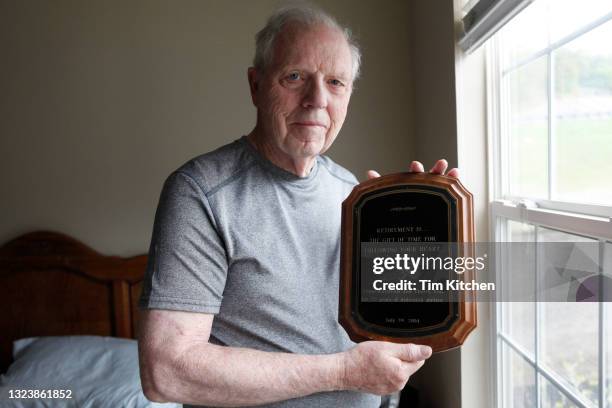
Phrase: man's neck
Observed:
(300, 167)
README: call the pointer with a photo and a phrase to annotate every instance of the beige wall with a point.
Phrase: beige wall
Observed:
(101, 100)
(433, 61)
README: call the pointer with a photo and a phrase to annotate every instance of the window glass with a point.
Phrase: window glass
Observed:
(568, 330)
(582, 122)
(519, 380)
(519, 39)
(567, 16)
(552, 397)
(518, 318)
(528, 130)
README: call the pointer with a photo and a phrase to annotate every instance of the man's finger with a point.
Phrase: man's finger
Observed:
(417, 167)
(439, 167)
(413, 352)
(372, 174)
(453, 173)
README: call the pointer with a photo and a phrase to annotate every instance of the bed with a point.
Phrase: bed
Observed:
(69, 322)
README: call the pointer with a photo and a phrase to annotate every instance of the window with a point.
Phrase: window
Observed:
(550, 114)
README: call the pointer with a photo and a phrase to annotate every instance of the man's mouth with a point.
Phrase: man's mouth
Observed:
(310, 124)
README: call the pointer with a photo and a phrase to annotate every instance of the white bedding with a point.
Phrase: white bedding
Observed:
(95, 371)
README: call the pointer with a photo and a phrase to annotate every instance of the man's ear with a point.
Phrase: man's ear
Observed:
(253, 77)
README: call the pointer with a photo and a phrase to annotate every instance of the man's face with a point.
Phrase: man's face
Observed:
(302, 97)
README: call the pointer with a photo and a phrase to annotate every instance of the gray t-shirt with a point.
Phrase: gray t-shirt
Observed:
(259, 247)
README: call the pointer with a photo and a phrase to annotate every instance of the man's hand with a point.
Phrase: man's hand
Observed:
(417, 167)
(381, 367)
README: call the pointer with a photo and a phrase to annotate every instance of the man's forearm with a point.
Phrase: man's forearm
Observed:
(208, 374)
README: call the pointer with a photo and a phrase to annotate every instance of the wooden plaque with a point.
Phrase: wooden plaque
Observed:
(392, 210)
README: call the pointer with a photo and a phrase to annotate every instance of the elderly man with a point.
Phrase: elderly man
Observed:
(241, 292)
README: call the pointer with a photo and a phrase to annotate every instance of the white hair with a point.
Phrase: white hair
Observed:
(306, 15)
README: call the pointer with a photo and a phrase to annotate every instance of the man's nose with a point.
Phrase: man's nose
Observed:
(315, 95)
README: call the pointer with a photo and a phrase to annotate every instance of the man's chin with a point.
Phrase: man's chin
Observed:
(307, 145)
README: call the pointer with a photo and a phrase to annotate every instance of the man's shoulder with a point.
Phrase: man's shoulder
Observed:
(337, 171)
(212, 169)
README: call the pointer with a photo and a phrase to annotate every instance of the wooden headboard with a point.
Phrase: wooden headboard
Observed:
(52, 285)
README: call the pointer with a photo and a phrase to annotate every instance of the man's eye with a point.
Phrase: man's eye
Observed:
(336, 82)
(294, 76)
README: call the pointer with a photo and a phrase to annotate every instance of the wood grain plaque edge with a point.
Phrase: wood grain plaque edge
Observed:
(467, 321)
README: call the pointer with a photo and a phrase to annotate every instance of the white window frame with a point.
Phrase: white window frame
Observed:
(581, 219)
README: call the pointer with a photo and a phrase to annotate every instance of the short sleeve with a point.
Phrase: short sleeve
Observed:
(187, 264)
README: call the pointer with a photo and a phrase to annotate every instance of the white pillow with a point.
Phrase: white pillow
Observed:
(99, 372)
